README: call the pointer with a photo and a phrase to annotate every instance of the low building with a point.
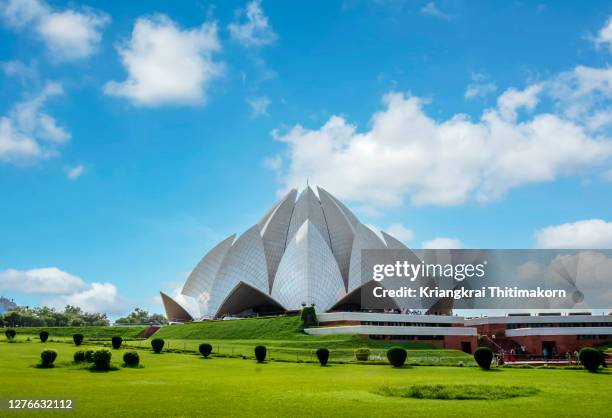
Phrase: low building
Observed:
(545, 333)
(443, 331)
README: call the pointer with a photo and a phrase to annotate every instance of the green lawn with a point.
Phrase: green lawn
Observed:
(93, 333)
(173, 384)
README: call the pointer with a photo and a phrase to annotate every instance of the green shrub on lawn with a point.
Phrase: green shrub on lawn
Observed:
(47, 357)
(483, 357)
(79, 356)
(10, 334)
(323, 356)
(590, 358)
(116, 342)
(260, 353)
(131, 359)
(44, 336)
(362, 354)
(205, 349)
(397, 356)
(157, 344)
(89, 356)
(102, 358)
(78, 339)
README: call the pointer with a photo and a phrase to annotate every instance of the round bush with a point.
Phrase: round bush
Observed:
(116, 342)
(362, 354)
(590, 358)
(260, 353)
(10, 334)
(483, 357)
(102, 358)
(323, 356)
(397, 356)
(205, 349)
(157, 344)
(79, 356)
(131, 359)
(89, 356)
(78, 339)
(44, 336)
(47, 357)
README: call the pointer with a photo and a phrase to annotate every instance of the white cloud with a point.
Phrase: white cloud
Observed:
(254, 29)
(75, 172)
(27, 133)
(259, 106)
(480, 86)
(400, 232)
(273, 163)
(68, 35)
(589, 234)
(49, 280)
(442, 243)
(167, 64)
(98, 297)
(407, 152)
(60, 288)
(430, 9)
(604, 36)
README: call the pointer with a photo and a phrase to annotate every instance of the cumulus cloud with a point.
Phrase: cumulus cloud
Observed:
(430, 9)
(251, 28)
(68, 34)
(167, 64)
(259, 106)
(60, 288)
(588, 234)
(400, 232)
(604, 36)
(442, 243)
(27, 133)
(406, 152)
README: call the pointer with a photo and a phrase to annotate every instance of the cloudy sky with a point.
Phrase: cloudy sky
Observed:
(135, 136)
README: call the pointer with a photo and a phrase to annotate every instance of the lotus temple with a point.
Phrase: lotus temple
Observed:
(306, 250)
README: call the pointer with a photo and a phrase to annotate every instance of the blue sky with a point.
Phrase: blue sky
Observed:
(134, 136)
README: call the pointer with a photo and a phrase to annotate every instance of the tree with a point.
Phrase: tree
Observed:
(141, 316)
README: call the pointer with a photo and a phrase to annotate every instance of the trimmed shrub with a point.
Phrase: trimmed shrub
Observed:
(157, 344)
(44, 336)
(397, 356)
(483, 357)
(78, 339)
(309, 316)
(323, 356)
(89, 356)
(205, 349)
(260, 353)
(116, 342)
(102, 358)
(47, 357)
(362, 354)
(79, 356)
(10, 334)
(131, 359)
(590, 358)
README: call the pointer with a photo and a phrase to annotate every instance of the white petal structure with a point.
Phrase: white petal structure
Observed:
(365, 239)
(245, 262)
(274, 233)
(302, 251)
(200, 281)
(308, 256)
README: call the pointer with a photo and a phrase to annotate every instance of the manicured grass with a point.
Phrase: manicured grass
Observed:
(172, 384)
(284, 338)
(458, 392)
(92, 333)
